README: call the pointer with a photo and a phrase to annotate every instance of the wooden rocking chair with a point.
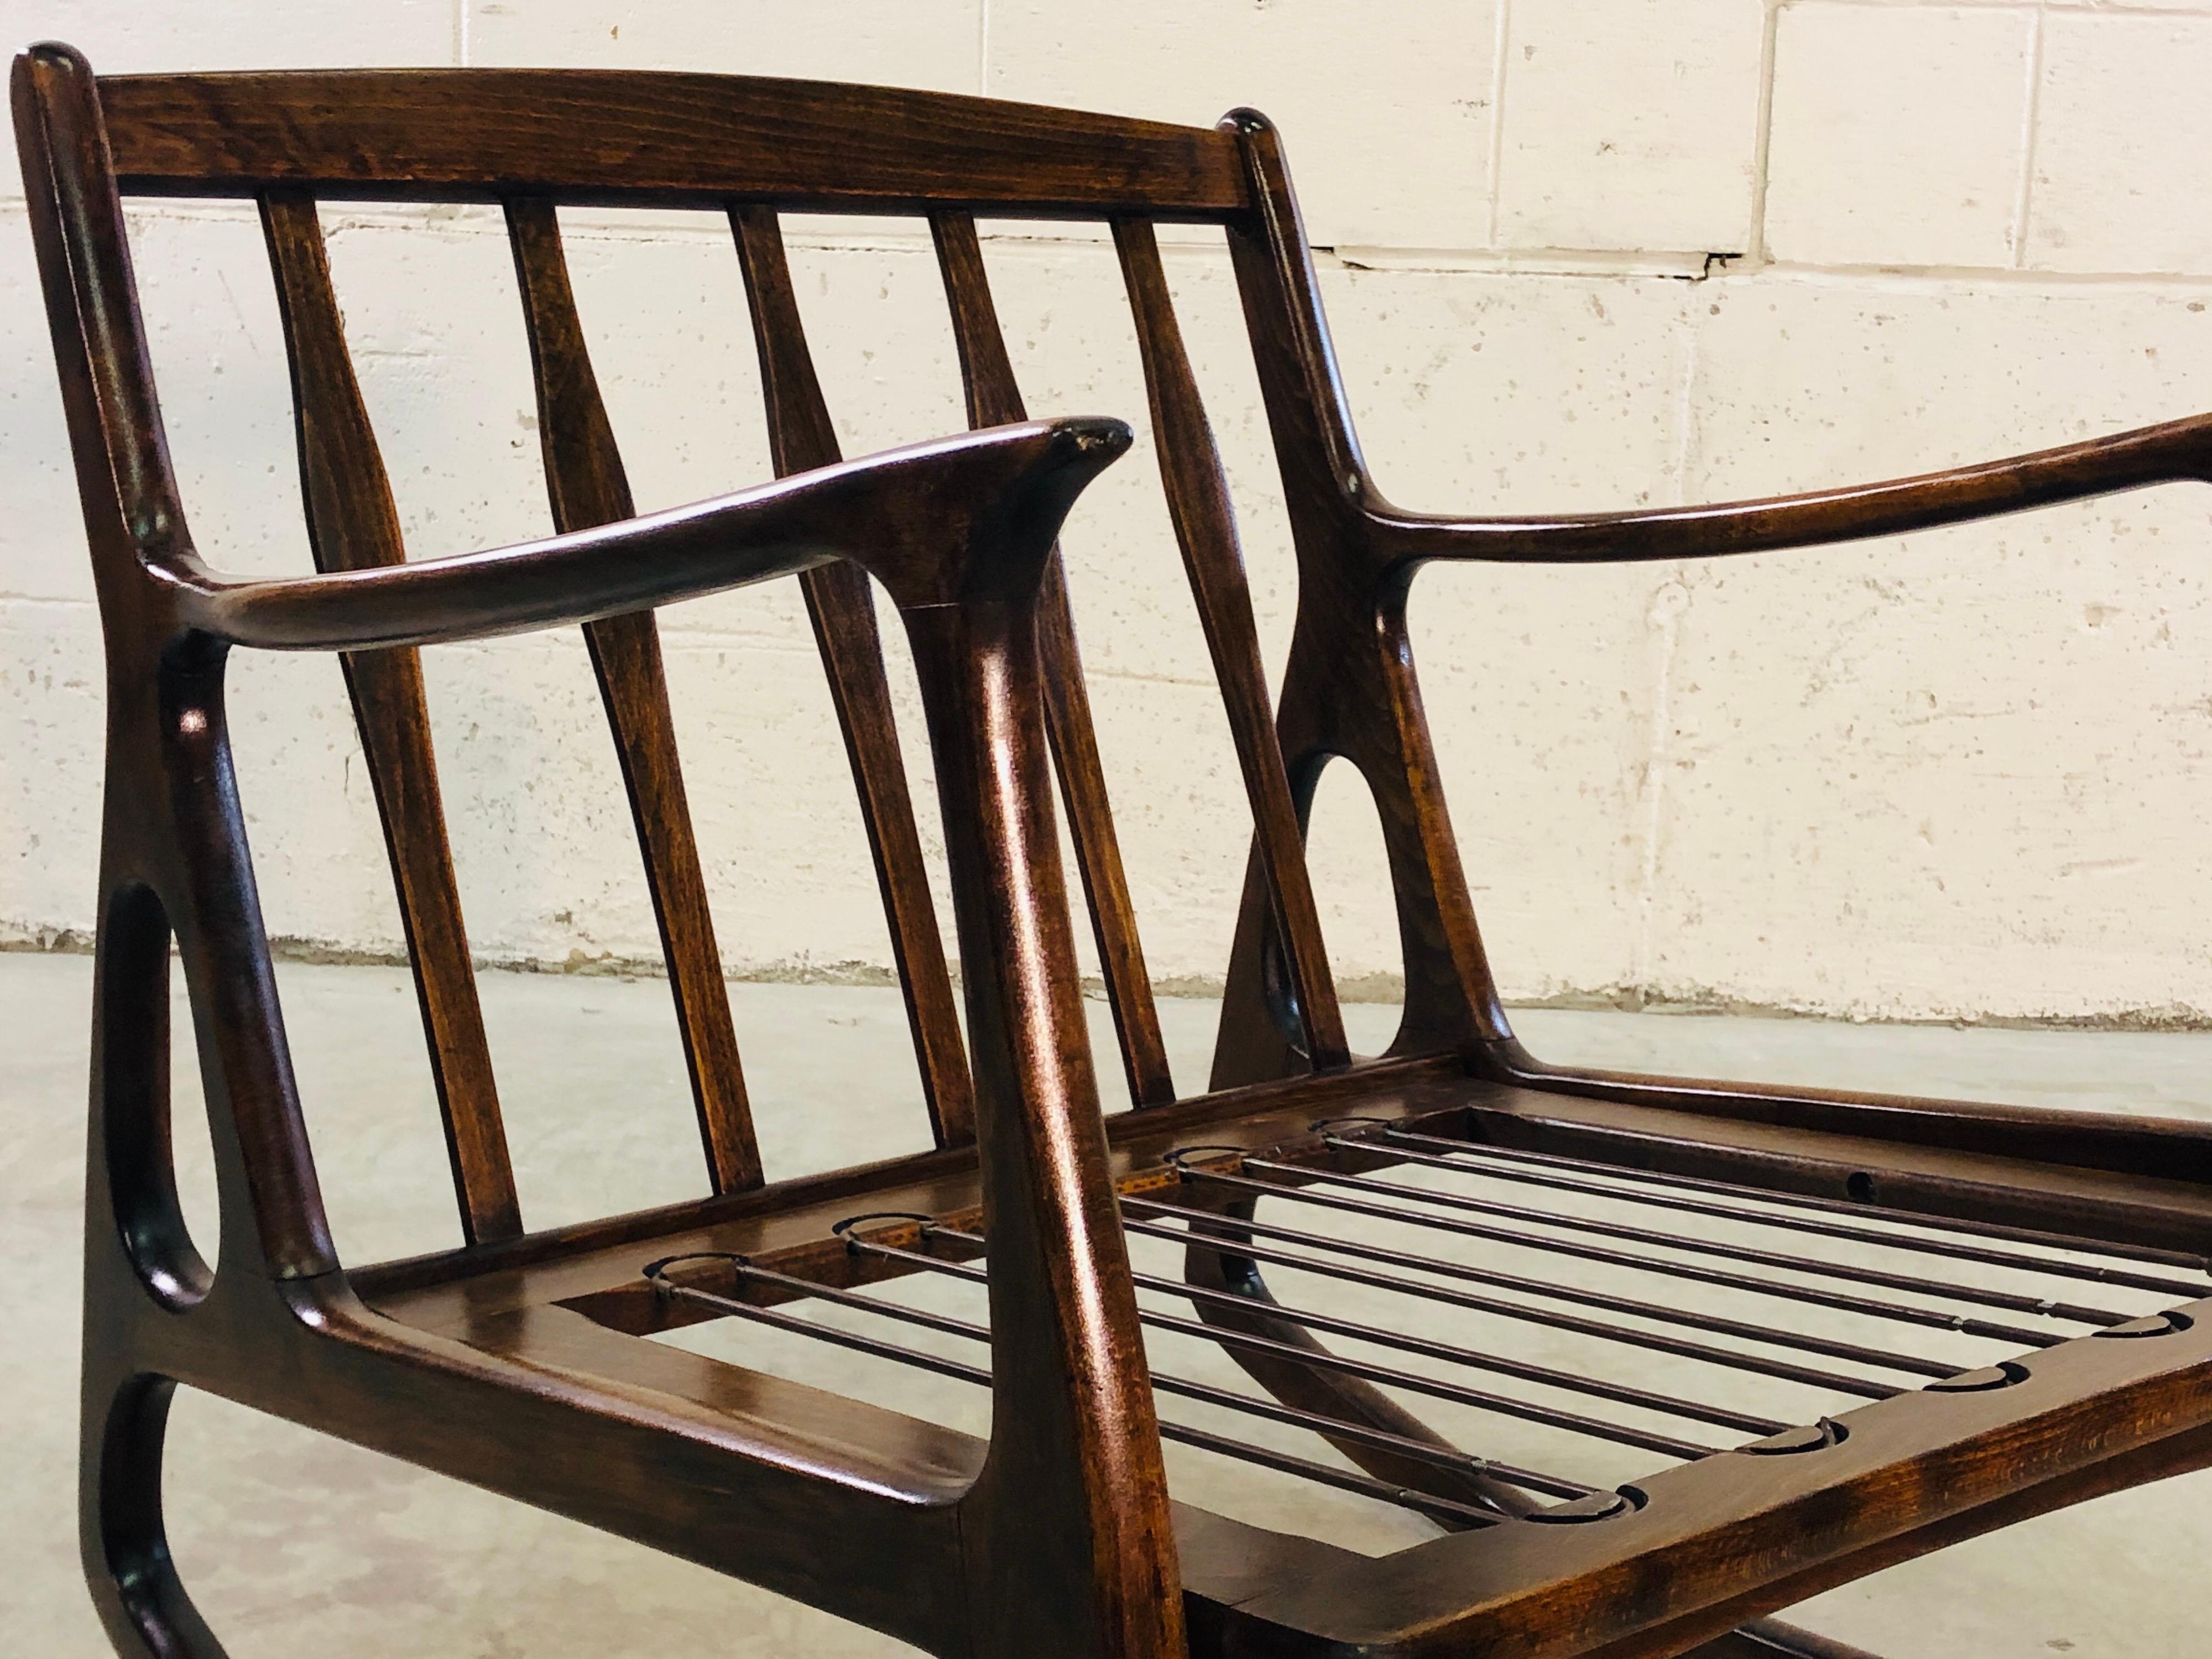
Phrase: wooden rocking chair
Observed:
(2067, 1246)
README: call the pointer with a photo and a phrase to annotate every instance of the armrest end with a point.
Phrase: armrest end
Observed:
(2171, 453)
(932, 520)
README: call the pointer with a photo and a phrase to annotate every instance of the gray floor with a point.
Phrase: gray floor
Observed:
(295, 1544)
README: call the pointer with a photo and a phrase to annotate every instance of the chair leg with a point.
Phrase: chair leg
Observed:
(123, 1540)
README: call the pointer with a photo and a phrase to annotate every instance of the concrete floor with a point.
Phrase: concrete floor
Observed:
(295, 1544)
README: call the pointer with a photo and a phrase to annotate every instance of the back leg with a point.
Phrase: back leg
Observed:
(121, 1535)
(140, 1265)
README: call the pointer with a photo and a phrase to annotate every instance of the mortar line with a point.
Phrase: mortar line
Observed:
(1754, 241)
(2023, 199)
(2085, 7)
(1684, 265)
(1501, 39)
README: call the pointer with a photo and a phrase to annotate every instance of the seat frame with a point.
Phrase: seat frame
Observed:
(515, 1361)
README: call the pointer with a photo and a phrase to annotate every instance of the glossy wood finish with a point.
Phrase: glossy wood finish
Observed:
(1205, 525)
(629, 138)
(516, 1360)
(729, 541)
(802, 436)
(1348, 688)
(1077, 1447)
(959, 531)
(584, 480)
(992, 399)
(352, 524)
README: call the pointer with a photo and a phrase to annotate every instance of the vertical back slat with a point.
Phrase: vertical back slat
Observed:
(994, 399)
(1205, 525)
(352, 524)
(842, 605)
(584, 480)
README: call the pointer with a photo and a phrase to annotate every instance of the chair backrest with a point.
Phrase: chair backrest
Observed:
(533, 141)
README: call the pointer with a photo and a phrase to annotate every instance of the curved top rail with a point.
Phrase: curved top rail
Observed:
(634, 137)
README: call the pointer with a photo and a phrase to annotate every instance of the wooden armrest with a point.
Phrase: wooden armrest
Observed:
(2149, 455)
(899, 509)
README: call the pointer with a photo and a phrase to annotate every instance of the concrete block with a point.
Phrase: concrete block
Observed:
(211, 318)
(1067, 329)
(673, 344)
(1630, 123)
(1958, 772)
(1473, 393)
(121, 39)
(1897, 134)
(917, 43)
(2121, 116)
(42, 536)
(1384, 111)
(448, 384)
(1951, 774)
(52, 699)
(1500, 394)
(1457, 382)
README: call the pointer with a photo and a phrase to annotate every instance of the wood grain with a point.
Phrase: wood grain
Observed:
(636, 137)
(1205, 525)
(352, 524)
(838, 602)
(993, 399)
(584, 479)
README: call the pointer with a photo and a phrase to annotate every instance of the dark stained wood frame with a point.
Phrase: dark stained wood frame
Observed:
(513, 1362)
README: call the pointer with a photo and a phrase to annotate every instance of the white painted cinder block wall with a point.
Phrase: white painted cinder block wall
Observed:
(1579, 254)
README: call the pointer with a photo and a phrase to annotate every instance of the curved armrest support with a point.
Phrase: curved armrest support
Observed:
(900, 513)
(2168, 454)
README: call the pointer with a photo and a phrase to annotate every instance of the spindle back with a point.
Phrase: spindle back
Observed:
(533, 141)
